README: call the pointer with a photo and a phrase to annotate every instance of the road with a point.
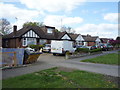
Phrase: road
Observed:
(46, 61)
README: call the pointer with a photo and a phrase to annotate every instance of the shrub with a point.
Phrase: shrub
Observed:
(95, 50)
(36, 47)
(86, 50)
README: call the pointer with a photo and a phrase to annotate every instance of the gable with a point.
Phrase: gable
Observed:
(80, 38)
(98, 40)
(66, 37)
(30, 33)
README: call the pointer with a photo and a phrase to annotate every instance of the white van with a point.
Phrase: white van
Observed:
(61, 47)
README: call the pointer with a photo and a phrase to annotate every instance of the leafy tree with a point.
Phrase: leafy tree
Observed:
(115, 43)
(33, 24)
(56, 30)
(5, 26)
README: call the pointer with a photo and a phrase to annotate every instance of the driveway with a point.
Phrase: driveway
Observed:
(46, 61)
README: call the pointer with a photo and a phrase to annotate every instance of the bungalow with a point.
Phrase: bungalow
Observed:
(78, 39)
(105, 40)
(91, 40)
(33, 35)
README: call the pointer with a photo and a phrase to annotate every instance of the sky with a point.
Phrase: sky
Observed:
(94, 17)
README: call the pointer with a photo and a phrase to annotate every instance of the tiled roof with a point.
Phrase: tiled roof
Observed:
(105, 40)
(89, 38)
(73, 36)
(38, 30)
(22, 31)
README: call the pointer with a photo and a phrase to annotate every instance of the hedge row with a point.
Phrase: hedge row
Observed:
(86, 50)
(95, 50)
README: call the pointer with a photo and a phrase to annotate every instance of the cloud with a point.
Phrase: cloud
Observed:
(23, 15)
(52, 5)
(10, 11)
(58, 21)
(101, 30)
(112, 17)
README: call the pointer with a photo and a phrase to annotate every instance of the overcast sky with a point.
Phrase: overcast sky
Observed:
(94, 18)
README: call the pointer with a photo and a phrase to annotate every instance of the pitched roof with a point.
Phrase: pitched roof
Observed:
(73, 36)
(40, 31)
(22, 31)
(105, 40)
(89, 38)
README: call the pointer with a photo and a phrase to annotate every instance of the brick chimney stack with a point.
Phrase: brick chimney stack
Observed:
(14, 29)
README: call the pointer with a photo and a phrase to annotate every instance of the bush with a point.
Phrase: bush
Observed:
(86, 50)
(95, 50)
(36, 47)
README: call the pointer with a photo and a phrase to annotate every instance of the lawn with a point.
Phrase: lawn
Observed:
(105, 59)
(56, 78)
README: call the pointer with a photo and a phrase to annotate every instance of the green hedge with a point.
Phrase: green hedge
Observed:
(36, 47)
(86, 50)
(95, 50)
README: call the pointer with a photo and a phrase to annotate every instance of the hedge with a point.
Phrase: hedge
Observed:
(36, 47)
(95, 50)
(86, 50)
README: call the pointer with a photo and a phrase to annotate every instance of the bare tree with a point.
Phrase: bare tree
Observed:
(5, 26)
(67, 29)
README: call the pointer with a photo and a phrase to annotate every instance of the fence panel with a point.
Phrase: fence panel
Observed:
(12, 56)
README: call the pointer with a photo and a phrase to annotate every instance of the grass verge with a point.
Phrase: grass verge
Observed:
(56, 78)
(105, 59)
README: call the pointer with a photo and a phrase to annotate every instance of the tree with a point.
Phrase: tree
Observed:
(115, 43)
(5, 26)
(67, 29)
(33, 24)
(56, 30)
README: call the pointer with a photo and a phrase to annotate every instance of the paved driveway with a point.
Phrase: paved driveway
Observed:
(46, 61)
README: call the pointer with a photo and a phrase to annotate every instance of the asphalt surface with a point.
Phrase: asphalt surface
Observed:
(46, 61)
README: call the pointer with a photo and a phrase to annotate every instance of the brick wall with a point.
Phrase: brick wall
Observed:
(91, 43)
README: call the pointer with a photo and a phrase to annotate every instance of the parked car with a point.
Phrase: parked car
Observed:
(93, 47)
(47, 48)
(29, 49)
(106, 47)
(61, 47)
(80, 46)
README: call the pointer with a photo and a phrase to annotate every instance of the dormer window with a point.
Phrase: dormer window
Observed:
(49, 30)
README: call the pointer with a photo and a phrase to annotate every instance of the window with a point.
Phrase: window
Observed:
(49, 30)
(6, 43)
(24, 41)
(42, 41)
(29, 41)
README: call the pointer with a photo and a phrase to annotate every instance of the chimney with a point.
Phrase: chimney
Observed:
(88, 35)
(14, 30)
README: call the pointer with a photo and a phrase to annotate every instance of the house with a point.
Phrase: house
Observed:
(105, 40)
(78, 39)
(33, 35)
(91, 40)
